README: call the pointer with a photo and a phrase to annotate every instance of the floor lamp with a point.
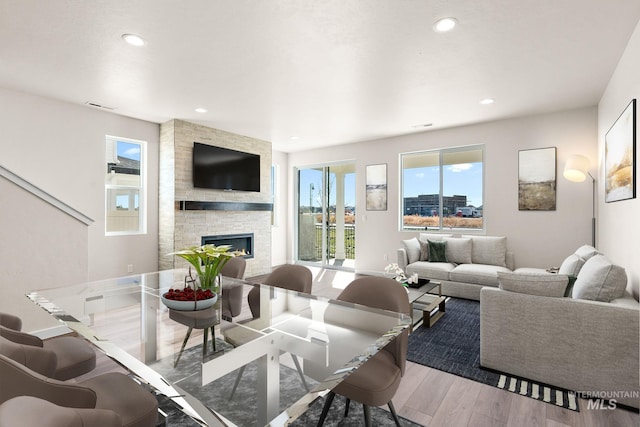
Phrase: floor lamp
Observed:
(576, 170)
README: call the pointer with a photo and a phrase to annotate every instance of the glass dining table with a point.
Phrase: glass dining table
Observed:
(277, 364)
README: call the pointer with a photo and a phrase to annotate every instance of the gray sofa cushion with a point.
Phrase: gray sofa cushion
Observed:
(431, 270)
(571, 265)
(424, 250)
(432, 236)
(458, 250)
(479, 274)
(600, 280)
(546, 285)
(412, 246)
(489, 250)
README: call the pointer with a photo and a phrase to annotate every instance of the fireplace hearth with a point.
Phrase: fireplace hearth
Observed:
(237, 242)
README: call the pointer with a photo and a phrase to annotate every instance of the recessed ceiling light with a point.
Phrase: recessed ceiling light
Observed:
(487, 101)
(445, 24)
(201, 110)
(133, 40)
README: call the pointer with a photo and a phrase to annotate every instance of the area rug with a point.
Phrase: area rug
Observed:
(241, 409)
(453, 345)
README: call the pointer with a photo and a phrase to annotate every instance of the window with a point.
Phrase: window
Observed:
(125, 180)
(443, 189)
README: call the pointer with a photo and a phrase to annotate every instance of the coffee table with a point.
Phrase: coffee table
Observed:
(423, 303)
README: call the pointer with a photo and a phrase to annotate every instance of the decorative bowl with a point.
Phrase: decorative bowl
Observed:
(189, 305)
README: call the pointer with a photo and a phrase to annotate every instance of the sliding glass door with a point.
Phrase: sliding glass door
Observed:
(326, 216)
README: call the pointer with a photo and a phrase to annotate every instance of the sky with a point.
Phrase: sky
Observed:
(460, 179)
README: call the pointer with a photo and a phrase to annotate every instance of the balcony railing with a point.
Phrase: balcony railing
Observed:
(349, 241)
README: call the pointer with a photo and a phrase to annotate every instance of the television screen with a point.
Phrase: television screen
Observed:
(224, 169)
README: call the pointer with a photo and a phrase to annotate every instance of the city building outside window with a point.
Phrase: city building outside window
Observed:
(443, 189)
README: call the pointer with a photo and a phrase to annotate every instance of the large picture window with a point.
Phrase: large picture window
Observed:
(443, 189)
(125, 180)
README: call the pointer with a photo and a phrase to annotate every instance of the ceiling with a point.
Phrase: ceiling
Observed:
(309, 73)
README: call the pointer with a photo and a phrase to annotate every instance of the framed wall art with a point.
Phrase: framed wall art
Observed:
(376, 187)
(537, 179)
(619, 157)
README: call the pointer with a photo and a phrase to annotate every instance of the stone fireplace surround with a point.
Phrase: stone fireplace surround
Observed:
(186, 213)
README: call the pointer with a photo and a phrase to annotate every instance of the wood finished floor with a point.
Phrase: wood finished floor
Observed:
(437, 399)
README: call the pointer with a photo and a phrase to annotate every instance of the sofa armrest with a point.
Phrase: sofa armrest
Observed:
(580, 345)
(403, 260)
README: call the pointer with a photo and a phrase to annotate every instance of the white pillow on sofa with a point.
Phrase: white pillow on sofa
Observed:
(586, 251)
(545, 285)
(600, 280)
(571, 265)
(458, 250)
(412, 247)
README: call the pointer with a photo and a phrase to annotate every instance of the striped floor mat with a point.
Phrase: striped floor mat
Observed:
(563, 398)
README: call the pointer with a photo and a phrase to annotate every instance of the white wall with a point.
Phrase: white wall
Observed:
(618, 229)
(280, 231)
(60, 147)
(538, 239)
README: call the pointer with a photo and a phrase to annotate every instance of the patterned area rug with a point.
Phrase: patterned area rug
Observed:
(453, 345)
(241, 410)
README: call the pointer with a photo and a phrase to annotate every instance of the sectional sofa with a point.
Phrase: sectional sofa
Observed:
(467, 265)
(588, 342)
(577, 328)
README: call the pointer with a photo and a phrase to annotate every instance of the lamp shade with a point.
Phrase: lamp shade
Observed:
(577, 168)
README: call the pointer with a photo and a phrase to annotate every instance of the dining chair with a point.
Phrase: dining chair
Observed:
(377, 380)
(231, 306)
(74, 356)
(289, 276)
(113, 391)
(29, 411)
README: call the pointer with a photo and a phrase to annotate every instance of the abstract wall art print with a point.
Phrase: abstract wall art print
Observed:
(537, 179)
(619, 157)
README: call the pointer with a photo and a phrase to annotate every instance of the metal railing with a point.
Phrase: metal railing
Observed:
(349, 241)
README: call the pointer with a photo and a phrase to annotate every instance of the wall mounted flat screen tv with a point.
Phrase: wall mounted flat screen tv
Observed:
(224, 169)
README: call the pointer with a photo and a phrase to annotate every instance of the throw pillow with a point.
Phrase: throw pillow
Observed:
(437, 251)
(586, 251)
(424, 250)
(545, 285)
(571, 265)
(412, 247)
(600, 280)
(458, 250)
(489, 250)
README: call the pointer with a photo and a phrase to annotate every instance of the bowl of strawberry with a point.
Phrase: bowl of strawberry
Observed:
(187, 299)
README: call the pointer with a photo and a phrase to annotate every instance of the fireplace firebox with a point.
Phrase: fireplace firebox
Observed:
(237, 242)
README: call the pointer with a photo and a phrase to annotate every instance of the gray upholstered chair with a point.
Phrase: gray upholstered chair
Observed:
(377, 380)
(290, 276)
(74, 356)
(207, 319)
(232, 292)
(29, 411)
(113, 392)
